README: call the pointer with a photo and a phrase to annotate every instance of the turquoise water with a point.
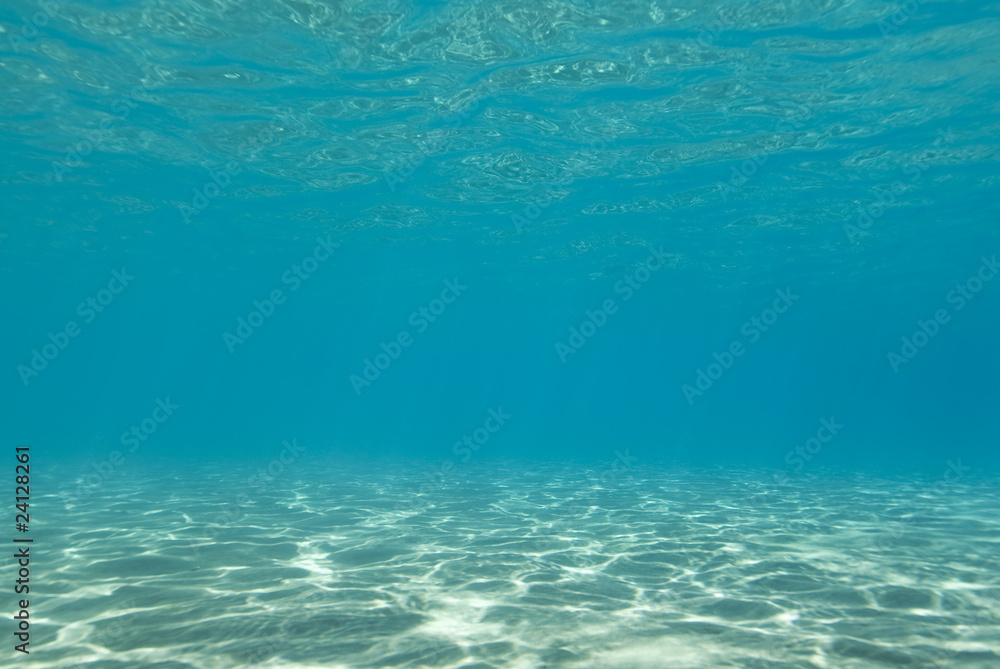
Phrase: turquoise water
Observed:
(497, 334)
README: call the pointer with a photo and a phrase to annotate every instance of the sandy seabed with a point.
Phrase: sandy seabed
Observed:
(509, 565)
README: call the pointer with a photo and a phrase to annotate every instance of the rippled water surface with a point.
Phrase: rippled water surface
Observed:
(394, 121)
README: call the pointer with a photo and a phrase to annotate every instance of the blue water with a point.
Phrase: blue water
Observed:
(470, 270)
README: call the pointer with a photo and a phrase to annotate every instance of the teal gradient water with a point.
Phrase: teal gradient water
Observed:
(411, 135)
(504, 334)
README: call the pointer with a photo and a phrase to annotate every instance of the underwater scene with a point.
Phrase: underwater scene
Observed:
(494, 334)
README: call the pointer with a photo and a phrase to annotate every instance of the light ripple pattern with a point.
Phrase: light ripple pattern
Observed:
(513, 565)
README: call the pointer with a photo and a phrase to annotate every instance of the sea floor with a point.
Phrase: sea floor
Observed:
(513, 566)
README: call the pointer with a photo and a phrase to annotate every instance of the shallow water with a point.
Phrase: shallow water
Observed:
(500, 334)
(516, 566)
